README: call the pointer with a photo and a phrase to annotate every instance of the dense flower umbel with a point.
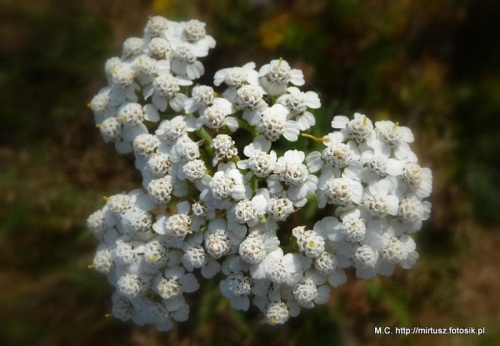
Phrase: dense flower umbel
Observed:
(213, 203)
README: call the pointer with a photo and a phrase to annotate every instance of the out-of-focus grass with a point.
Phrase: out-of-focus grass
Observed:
(432, 65)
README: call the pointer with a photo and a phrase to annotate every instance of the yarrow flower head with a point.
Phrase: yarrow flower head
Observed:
(225, 183)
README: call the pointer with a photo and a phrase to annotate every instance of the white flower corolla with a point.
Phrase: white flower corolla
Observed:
(310, 243)
(169, 288)
(111, 129)
(290, 170)
(120, 203)
(145, 144)
(325, 263)
(244, 211)
(365, 256)
(252, 250)
(353, 228)
(237, 287)
(305, 292)
(390, 137)
(341, 191)
(275, 76)
(103, 260)
(199, 209)
(224, 148)
(156, 25)
(159, 164)
(112, 64)
(122, 308)
(297, 102)
(173, 129)
(123, 76)
(155, 254)
(379, 167)
(159, 315)
(136, 221)
(225, 184)
(235, 77)
(161, 189)
(130, 285)
(179, 225)
(216, 115)
(417, 180)
(100, 104)
(360, 128)
(201, 97)
(276, 313)
(381, 205)
(280, 207)
(124, 253)
(411, 213)
(174, 282)
(217, 244)
(196, 256)
(194, 30)
(337, 155)
(249, 98)
(165, 90)
(259, 161)
(394, 251)
(285, 269)
(131, 113)
(274, 124)
(132, 47)
(184, 149)
(193, 170)
(184, 61)
(96, 223)
(159, 48)
(328, 266)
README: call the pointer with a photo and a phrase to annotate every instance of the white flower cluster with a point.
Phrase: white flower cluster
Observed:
(208, 207)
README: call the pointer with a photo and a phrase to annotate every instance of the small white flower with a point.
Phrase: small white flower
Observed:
(360, 128)
(184, 61)
(310, 243)
(201, 97)
(411, 213)
(416, 180)
(235, 77)
(156, 25)
(276, 313)
(161, 189)
(259, 161)
(275, 76)
(193, 170)
(224, 148)
(327, 264)
(165, 90)
(132, 47)
(292, 172)
(249, 98)
(297, 102)
(146, 145)
(392, 137)
(237, 287)
(159, 164)
(131, 285)
(103, 260)
(274, 124)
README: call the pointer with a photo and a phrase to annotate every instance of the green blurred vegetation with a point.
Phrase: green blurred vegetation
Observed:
(432, 65)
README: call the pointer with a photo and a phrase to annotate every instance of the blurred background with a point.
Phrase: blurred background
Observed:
(431, 65)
